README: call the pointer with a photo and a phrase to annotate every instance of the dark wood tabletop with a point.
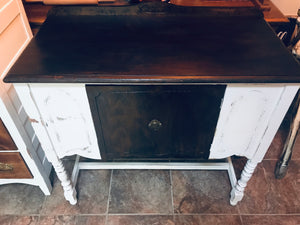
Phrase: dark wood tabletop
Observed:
(155, 43)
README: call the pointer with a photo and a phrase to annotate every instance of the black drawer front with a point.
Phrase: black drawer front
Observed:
(167, 122)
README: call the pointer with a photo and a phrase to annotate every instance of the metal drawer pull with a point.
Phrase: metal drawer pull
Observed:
(155, 125)
(6, 167)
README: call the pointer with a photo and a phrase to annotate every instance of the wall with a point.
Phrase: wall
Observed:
(288, 7)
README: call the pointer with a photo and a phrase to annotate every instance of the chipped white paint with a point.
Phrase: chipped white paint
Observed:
(61, 112)
(247, 112)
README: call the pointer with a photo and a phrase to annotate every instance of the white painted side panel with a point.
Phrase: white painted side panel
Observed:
(26, 124)
(23, 136)
(245, 115)
(65, 113)
(34, 116)
(275, 120)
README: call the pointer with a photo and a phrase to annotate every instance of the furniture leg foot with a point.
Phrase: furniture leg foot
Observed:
(46, 188)
(235, 196)
(281, 169)
(71, 196)
(237, 192)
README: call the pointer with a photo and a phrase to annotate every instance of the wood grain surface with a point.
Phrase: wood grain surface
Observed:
(6, 142)
(155, 42)
(15, 161)
(155, 122)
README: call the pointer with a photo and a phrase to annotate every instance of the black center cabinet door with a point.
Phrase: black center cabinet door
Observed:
(155, 122)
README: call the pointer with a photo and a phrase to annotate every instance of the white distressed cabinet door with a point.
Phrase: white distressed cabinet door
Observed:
(249, 119)
(65, 113)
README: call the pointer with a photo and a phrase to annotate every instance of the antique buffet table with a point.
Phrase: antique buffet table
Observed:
(156, 83)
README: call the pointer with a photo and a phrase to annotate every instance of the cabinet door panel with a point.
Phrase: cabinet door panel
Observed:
(155, 122)
(66, 117)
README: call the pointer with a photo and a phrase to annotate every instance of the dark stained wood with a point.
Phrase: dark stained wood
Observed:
(155, 122)
(6, 142)
(36, 12)
(214, 3)
(271, 13)
(159, 42)
(15, 162)
(274, 15)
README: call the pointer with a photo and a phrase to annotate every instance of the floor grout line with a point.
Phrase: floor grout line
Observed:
(241, 219)
(45, 199)
(271, 214)
(162, 214)
(169, 214)
(108, 197)
(39, 219)
(172, 193)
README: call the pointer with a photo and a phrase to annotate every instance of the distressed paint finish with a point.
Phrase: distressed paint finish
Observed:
(70, 129)
(246, 114)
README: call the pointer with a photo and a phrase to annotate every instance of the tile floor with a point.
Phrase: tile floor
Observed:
(145, 197)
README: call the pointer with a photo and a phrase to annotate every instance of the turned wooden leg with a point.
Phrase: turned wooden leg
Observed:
(69, 191)
(237, 192)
